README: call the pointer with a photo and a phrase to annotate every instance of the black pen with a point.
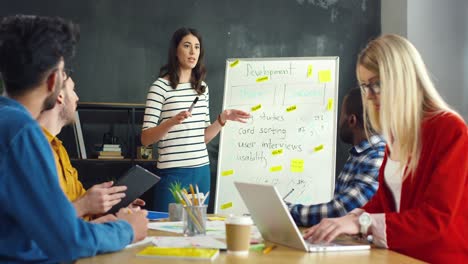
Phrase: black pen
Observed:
(286, 196)
(193, 104)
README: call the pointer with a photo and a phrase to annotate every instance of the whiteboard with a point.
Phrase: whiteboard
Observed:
(290, 139)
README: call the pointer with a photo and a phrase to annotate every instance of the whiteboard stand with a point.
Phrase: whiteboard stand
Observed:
(290, 140)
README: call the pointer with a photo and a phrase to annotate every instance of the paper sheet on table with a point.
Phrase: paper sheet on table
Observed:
(182, 242)
(214, 229)
(146, 240)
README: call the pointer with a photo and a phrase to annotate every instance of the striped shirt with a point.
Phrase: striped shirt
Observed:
(184, 144)
(356, 184)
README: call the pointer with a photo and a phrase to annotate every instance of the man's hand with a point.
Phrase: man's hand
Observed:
(137, 204)
(104, 219)
(99, 199)
(138, 221)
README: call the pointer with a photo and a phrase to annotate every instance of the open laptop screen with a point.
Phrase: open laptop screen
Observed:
(274, 222)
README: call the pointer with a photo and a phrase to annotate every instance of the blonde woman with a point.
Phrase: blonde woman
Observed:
(420, 208)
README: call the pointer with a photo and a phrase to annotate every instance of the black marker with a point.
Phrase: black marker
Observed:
(288, 194)
(193, 104)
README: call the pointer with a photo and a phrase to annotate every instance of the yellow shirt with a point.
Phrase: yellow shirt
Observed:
(68, 175)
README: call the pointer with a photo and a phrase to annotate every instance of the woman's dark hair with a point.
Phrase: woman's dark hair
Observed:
(31, 46)
(172, 67)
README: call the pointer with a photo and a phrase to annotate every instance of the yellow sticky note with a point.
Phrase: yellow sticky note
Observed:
(309, 71)
(330, 104)
(318, 148)
(216, 218)
(262, 79)
(324, 76)
(276, 168)
(277, 152)
(297, 165)
(255, 108)
(226, 206)
(291, 108)
(227, 172)
(234, 63)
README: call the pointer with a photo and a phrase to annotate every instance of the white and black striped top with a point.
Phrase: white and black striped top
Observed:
(184, 144)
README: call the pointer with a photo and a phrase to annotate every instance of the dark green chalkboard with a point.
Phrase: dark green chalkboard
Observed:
(124, 42)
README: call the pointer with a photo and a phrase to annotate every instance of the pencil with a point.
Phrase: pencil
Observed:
(268, 249)
(205, 196)
(194, 202)
(198, 195)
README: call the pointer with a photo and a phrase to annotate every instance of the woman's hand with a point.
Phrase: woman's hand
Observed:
(180, 117)
(329, 228)
(234, 115)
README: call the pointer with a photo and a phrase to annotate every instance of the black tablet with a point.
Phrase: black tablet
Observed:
(138, 180)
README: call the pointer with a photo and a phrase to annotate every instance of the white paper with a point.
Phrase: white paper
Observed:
(188, 242)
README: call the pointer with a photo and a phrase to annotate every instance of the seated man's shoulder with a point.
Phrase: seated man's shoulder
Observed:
(15, 122)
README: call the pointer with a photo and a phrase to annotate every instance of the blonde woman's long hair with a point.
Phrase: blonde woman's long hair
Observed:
(407, 96)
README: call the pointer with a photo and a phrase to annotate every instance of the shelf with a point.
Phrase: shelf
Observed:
(94, 160)
(106, 160)
(109, 106)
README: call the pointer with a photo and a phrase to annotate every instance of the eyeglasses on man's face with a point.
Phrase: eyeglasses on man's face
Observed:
(371, 88)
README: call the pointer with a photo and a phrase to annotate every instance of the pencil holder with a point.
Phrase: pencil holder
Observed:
(194, 219)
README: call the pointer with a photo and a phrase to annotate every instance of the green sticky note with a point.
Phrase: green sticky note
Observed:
(257, 247)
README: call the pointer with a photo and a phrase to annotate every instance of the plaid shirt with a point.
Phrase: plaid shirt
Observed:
(355, 185)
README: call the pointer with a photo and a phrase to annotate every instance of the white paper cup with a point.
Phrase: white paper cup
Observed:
(238, 234)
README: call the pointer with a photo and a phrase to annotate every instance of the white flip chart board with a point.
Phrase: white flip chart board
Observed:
(290, 139)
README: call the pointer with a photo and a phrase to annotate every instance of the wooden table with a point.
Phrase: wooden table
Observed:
(280, 254)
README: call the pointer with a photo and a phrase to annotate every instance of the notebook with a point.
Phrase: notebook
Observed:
(179, 253)
(273, 220)
(138, 180)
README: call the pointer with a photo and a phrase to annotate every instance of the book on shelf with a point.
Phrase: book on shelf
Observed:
(111, 147)
(110, 157)
(110, 153)
(179, 253)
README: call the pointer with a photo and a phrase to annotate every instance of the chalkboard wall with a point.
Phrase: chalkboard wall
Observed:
(123, 42)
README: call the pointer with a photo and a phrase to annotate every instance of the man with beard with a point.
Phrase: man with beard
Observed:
(100, 197)
(37, 222)
(357, 182)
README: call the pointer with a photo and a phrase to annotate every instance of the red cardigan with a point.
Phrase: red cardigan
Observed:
(432, 224)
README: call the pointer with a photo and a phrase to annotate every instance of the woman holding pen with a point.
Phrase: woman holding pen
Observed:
(420, 208)
(179, 122)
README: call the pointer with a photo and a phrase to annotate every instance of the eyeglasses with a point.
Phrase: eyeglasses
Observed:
(373, 88)
(68, 72)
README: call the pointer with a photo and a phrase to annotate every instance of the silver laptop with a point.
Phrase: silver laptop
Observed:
(272, 218)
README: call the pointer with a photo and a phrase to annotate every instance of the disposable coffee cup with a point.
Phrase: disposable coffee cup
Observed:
(238, 234)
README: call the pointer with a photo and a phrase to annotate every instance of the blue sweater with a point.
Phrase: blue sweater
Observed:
(37, 222)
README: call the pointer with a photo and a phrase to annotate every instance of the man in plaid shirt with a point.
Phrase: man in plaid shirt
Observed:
(357, 182)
